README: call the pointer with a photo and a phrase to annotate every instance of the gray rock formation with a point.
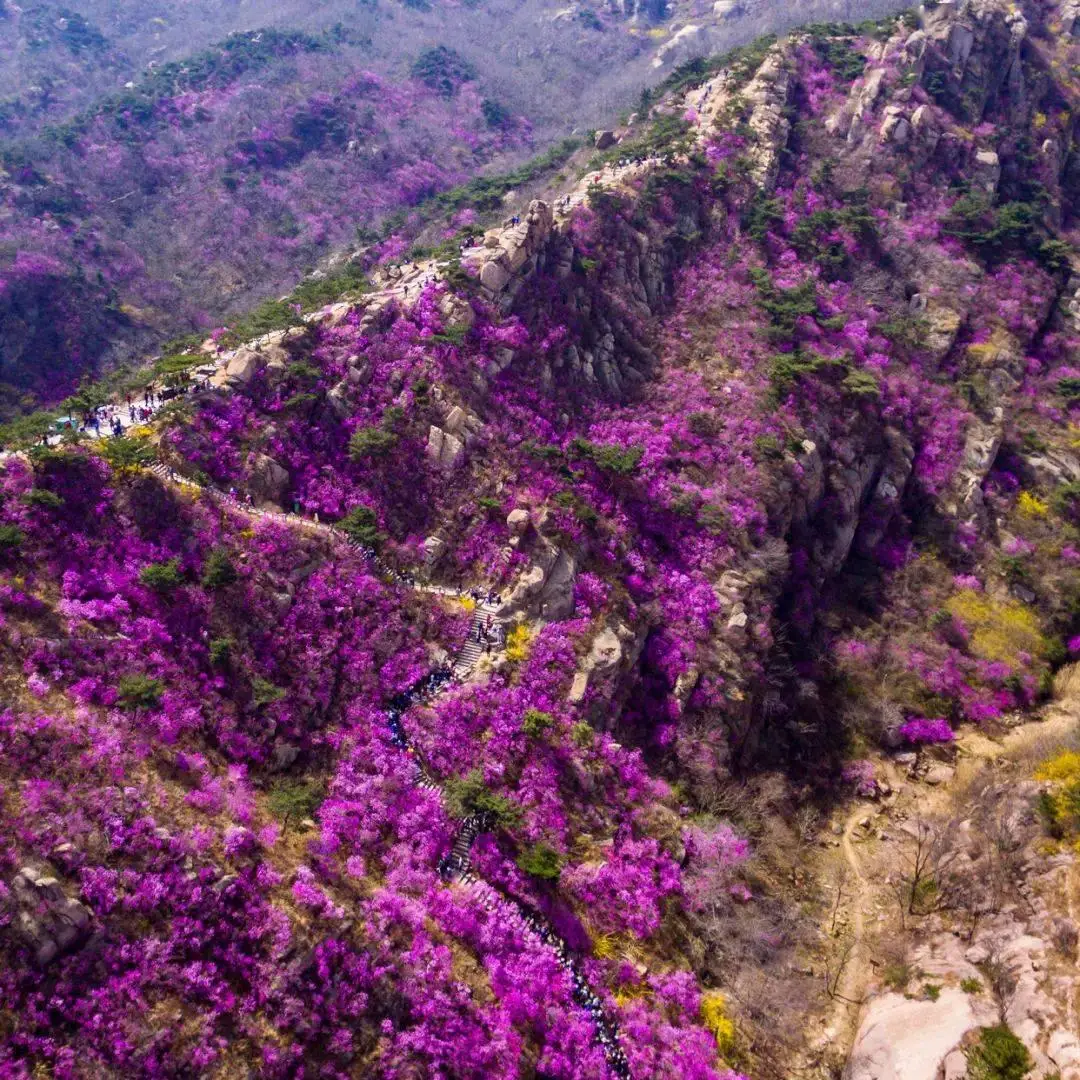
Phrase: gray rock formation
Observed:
(517, 521)
(606, 654)
(45, 919)
(510, 253)
(963, 499)
(434, 549)
(768, 93)
(268, 481)
(546, 588)
(444, 448)
(904, 1038)
(242, 368)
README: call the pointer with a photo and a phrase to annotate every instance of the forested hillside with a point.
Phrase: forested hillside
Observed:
(569, 645)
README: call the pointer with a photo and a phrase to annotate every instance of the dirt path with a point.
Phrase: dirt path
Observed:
(853, 979)
(851, 985)
(1034, 739)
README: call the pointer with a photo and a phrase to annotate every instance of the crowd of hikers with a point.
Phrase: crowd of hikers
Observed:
(117, 417)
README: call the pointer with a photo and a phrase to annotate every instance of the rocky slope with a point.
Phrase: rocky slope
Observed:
(996, 944)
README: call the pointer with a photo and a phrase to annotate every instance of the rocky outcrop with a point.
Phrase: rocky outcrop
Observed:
(242, 367)
(613, 648)
(844, 500)
(332, 315)
(268, 481)
(508, 255)
(973, 55)
(434, 549)
(1068, 310)
(546, 588)
(768, 93)
(942, 326)
(1053, 467)
(986, 171)
(517, 521)
(905, 1038)
(895, 127)
(463, 424)
(610, 350)
(523, 264)
(43, 917)
(963, 499)
(886, 498)
(444, 448)
(272, 352)
(688, 41)
(851, 119)
(1020, 954)
(456, 310)
(337, 399)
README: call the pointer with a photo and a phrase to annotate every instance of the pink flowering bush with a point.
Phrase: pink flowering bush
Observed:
(920, 729)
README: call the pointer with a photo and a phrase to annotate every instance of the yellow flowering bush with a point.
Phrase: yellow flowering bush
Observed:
(999, 629)
(1031, 506)
(519, 643)
(715, 1017)
(1059, 807)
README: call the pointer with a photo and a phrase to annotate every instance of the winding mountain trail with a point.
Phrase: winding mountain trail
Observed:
(455, 867)
(854, 976)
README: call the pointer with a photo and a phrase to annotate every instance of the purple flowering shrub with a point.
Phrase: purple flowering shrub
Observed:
(920, 729)
(782, 534)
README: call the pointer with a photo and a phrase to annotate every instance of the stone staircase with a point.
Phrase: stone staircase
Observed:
(533, 925)
(456, 866)
(459, 861)
(474, 646)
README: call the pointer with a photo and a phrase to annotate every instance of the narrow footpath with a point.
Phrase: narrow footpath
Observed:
(455, 867)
